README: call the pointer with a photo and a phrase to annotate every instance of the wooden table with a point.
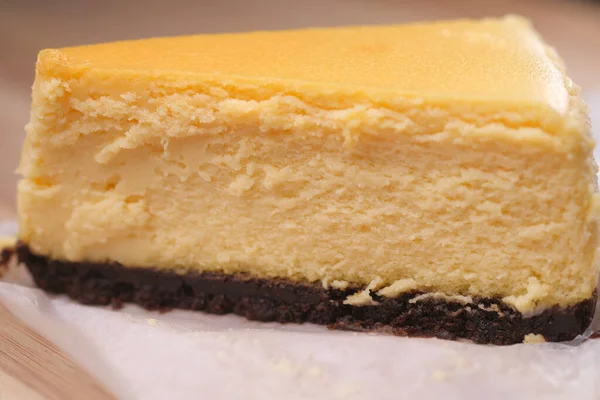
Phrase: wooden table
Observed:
(33, 368)
(571, 27)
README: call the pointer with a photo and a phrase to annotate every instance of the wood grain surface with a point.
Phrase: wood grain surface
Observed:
(33, 368)
(30, 366)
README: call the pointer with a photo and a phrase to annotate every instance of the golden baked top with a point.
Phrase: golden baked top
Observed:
(492, 63)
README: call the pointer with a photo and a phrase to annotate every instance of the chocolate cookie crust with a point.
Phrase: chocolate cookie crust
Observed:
(485, 320)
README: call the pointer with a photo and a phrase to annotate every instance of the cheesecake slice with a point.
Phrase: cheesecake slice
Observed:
(428, 179)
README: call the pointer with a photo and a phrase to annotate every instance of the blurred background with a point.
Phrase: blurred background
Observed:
(26, 26)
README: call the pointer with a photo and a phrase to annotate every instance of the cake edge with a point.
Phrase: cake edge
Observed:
(484, 320)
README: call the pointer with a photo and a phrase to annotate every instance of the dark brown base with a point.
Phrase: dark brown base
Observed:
(284, 301)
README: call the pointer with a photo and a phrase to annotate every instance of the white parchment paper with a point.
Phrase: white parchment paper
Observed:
(186, 355)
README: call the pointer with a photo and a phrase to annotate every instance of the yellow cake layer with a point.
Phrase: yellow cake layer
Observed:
(452, 158)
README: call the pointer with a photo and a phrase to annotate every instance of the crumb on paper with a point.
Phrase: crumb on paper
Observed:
(345, 390)
(287, 367)
(440, 376)
(461, 363)
(152, 321)
(533, 338)
(315, 371)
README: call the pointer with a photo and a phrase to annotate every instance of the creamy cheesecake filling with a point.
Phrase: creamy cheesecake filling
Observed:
(487, 211)
(373, 174)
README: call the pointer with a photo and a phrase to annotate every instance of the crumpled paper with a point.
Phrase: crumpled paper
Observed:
(185, 355)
